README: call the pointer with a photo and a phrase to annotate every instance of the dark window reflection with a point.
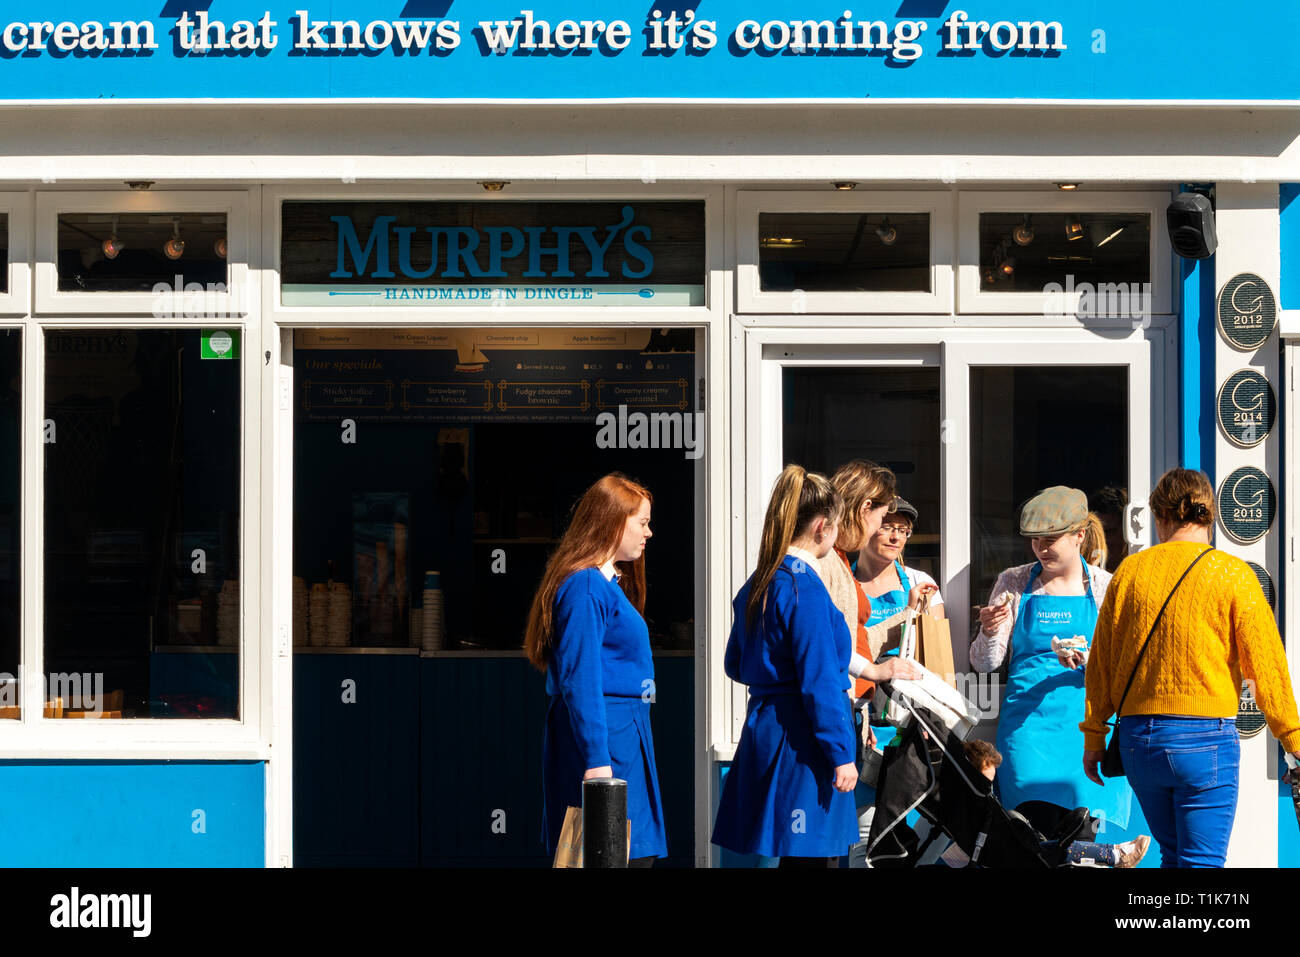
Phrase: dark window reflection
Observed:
(889, 416)
(11, 364)
(142, 495)
(844, 252)
(1024, 252)
(1032, 428)
(132, 252)
(4, 252)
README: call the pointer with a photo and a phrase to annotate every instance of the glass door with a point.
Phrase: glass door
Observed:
(972, 426)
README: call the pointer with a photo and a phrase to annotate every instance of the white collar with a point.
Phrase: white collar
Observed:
(802, 553)
(610, 572)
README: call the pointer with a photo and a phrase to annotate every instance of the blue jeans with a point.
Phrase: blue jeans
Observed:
(1184, 773)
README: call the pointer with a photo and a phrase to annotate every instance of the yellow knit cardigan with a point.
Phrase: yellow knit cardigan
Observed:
(1217, 629)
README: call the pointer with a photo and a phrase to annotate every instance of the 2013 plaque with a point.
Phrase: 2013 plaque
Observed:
(1266, 583)
(1247, 504)
(1247, 311)
(1247, 407)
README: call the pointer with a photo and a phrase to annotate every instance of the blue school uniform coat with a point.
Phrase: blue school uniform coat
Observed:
(779, 798)
(600, 679)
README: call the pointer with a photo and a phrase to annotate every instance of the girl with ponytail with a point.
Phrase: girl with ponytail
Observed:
(789, 793)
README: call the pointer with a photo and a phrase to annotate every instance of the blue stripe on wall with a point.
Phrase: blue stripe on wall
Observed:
(132, 813)
(1196, 366)
(1289, 213)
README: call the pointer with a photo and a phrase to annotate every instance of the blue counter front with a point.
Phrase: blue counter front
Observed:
(404, 760)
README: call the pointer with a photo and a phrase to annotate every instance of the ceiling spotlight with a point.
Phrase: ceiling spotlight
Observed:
(112, 245)
(1067, 186)
(495, 185)
(219, 247)
(139, 183)
(174, 248)
(989, 277)
(1023, 234)
(1008, 266)
(845, 184)
(887, 233)
(1073, 228)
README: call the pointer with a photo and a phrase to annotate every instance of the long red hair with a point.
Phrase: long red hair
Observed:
(592, 537)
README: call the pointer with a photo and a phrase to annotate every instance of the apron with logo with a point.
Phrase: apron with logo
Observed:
(1038, 727)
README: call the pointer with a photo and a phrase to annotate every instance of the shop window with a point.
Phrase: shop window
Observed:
(844, 252)
(1065, 256)
(11, 366)
(435, 471)
(1034, 427)
(1027, 252)
(889, 416)
(142, 522)
(134, 252)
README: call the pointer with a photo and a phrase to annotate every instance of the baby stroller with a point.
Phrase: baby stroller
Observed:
(926, 770)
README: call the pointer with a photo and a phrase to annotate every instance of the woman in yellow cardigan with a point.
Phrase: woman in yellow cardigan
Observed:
(1178, 732)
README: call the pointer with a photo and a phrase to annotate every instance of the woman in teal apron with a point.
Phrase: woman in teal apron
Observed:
(882, 554)
(1038, 725)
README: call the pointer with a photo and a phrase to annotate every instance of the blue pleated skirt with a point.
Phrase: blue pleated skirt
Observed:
(632, 756)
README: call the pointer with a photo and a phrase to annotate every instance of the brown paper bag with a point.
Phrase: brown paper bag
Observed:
(934, 644)
(568, 850)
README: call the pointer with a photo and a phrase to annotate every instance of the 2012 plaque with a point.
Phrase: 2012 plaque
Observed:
(1247, 311)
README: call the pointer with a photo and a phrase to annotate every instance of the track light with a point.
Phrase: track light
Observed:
(112, 245)
(1023, 234)
(1073, 228)
(1008, 266)
(989, 277)
(887, 233)
(219, 247)
(174, 248)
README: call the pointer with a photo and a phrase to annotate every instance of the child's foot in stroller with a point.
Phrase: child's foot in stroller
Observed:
(1131, 852)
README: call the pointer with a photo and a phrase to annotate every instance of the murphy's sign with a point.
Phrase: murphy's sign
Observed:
(493, 254)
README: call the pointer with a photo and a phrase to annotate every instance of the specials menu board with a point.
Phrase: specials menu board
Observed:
(490, 375)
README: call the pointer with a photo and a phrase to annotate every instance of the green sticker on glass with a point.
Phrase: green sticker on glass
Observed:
(219, 344)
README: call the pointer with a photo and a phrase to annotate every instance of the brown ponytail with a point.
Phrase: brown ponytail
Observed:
(1093, 547)
(1182, 497)
(798, 499)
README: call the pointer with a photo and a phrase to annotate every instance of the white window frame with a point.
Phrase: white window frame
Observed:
(768, 351)
(18, 300)
(234, 302)
(217, 739)
(750, 297)
(970, 204)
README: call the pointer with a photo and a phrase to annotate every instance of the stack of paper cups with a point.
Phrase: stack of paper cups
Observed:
(318, 611)
(338, 630)
(299, 612)
(431, 617)
(416, 616)
(228, 613)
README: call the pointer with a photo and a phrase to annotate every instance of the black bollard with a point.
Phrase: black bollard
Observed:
(604, 822)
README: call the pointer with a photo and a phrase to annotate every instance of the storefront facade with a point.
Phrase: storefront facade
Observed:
(385, 346)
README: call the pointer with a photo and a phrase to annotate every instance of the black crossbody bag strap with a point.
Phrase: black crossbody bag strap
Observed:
(1152, 632)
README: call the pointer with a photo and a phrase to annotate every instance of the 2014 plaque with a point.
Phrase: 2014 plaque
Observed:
(1247, 407)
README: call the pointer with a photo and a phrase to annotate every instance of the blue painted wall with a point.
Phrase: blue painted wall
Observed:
(1113, 49)
(132, 814)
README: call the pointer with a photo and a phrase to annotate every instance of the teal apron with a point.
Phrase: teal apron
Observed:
(891, 602)
(1038, 728)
